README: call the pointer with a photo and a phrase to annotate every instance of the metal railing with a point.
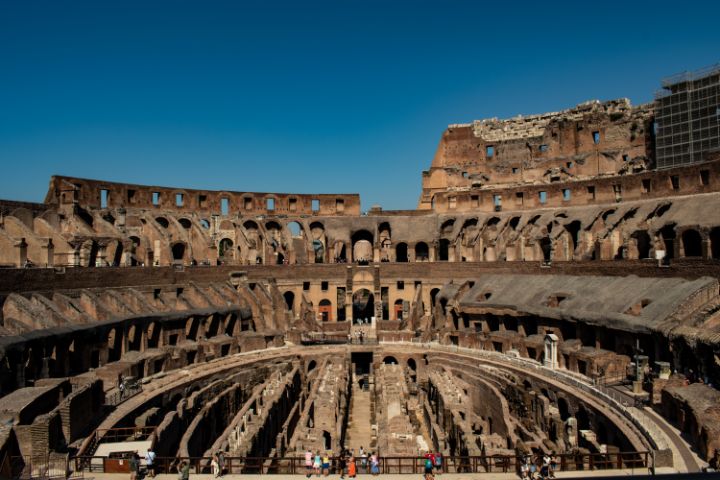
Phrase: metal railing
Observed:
(398, 465)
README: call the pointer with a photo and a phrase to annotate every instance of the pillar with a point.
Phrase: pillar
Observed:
(551, 355)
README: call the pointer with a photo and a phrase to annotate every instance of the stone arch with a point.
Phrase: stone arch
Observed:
(363, 304)
(692, 243)
(444, 250)
(398, 310)
(401, 252)
(178, 251)
(317, 232)
(289, 297)
(325, 310)
(362, 246)
(185, 223)
(162, 221)
(422, 252)
(226, 250)
(668, 235)
(390, 360)
(643, 243)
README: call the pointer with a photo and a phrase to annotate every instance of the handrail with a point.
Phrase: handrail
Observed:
(390, 464)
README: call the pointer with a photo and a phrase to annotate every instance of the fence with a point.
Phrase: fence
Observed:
(400, 465)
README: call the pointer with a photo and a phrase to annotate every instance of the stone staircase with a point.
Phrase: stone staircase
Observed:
(359, 430)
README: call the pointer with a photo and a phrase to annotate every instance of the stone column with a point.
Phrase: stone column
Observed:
(49, 252)
(551, 359)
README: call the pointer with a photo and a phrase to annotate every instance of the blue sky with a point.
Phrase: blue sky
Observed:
(309, 97)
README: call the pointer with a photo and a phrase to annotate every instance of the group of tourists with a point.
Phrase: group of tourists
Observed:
(319, 464)
(529, 467)
(433, 465)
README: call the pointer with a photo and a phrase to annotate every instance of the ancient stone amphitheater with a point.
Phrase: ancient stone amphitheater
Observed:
(524, 307)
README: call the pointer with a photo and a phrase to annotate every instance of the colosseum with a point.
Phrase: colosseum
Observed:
(555, 292)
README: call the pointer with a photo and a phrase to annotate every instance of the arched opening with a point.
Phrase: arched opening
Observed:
(317, 232)
(692, 243)
(295, 229)
(225, 250)
(362, 246)
(642, 239)
(715, 243)
(311, 366)
(163, 222)
(422, 252)
(411, 364)
(280, 259)
(327, 440)
(153, 335)
(178, 251)
(583, 418)
(433, 294)
(398, 309)
(401, 252)
(546, 247)
(186, 223)
(668, 236)
(363, 305)
(289, 299)
(204, 223)
(390, 360)
(341, 255)
(444, 250)
(573, 228)
(325, 310)
(563, 408)
(117, 258)
(319, 250)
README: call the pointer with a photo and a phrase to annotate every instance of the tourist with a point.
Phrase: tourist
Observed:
(553, 464)
(374, 464)
(215, 466)
(342, 463)
(134, 465)
(326, 463)
(184, 470)
(317, 462)
(308, 463)
(438, 463)
(352, 468)
(221, 462)
(545, 469)
(428, 467)
(363, 460)
(150, 463)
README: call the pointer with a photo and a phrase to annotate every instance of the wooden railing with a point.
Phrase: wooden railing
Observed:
(399, 465)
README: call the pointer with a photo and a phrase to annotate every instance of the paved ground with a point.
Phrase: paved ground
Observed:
(446, 476)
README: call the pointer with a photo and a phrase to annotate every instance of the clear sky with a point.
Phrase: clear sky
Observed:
(344, 96)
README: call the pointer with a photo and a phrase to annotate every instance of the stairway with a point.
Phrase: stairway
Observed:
(359, 431)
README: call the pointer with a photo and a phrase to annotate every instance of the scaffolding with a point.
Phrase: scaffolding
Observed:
(687, 117)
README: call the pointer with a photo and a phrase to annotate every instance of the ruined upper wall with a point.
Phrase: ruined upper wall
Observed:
(590, 140)
(101, 194)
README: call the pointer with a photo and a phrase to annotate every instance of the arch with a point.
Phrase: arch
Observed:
(390, 360)
(153, 334)
(272, 225)
(398, 309)
(642, 239)
(205, 223)
(225, 249)
(295, 229)
(412, 365)
(422, 252)
(325, 310)
(546, 247)
(401, 252)
(250, 225)
(433, 296)
(668, 235)
(447, 226)
(289, 299)
(186, 223)
(715, 243)
(563, 408)
(362, 246)
(573, 228)
(227, 225)
(514, 221)
(178, 251)
(444, 250)
(363, 305)
(311, 366)
(280, 259)
(319, 250)
(327, 440)
(163, 222)
(692, 243)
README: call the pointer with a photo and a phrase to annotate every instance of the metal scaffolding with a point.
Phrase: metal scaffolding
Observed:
(687, 117)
